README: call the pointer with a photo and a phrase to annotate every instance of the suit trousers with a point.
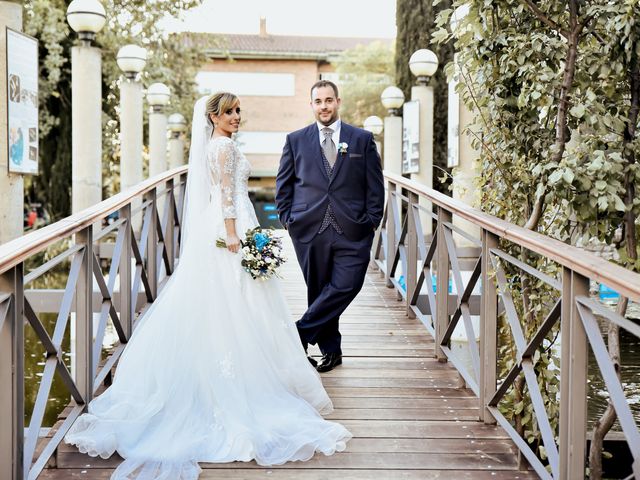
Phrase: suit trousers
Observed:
(334, 269)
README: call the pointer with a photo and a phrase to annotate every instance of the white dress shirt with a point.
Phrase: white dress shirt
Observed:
(335, 126)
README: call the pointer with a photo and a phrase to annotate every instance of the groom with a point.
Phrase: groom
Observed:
(330, 195)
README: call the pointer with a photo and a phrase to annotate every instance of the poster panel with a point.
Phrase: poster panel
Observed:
(22, 102)
(411, 137)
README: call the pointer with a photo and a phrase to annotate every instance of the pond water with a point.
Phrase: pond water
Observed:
(630, 372)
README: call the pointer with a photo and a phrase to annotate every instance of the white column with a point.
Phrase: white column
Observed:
(424, 95)
(130, 133)
(86, 120)
(11, 185)
(176, 151)
(392, 155)
(464, 175)
(157, 141)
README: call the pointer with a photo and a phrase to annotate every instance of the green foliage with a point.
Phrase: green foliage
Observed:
(172, 59)
(364, 71)
(556, 96)
(416, 22)
(513, 72)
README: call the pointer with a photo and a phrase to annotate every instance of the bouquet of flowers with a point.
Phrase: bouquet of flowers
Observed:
(261, 253)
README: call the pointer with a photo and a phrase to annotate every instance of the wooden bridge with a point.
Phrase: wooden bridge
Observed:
(420, 403)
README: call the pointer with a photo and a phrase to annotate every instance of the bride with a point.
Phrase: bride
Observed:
(215, 371)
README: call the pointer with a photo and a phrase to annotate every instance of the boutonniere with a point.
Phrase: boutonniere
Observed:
(342, 147)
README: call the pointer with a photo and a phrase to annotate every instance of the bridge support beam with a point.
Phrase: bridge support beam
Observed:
(442, 283)
(573, 378)
(12, 375)
(85, 369)
(411, 275)
(488, 329)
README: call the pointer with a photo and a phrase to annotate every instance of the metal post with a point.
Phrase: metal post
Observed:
(170, 228)
(573, 378)
(126, 303)
(442, 283)
(391, 234)
(488, 329)
(86, 119)
(12, 375)
(11, 184)
(84, 317)
(152, 243)
(411, 275)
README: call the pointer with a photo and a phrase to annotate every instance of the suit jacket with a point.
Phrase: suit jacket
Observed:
(355, 188)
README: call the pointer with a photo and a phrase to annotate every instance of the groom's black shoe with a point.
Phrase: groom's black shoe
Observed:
(329, 361)
(312, 360)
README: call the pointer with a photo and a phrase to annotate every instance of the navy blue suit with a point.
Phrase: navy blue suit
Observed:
(334, 262)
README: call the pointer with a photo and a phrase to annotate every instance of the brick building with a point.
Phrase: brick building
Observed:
(272, 75)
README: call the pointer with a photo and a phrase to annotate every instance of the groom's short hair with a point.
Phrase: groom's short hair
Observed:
(324, 83)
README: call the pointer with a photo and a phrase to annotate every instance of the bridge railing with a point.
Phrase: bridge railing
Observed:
(143, 245)
(429, 277)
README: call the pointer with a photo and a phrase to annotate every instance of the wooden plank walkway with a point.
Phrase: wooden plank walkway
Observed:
(409, 418)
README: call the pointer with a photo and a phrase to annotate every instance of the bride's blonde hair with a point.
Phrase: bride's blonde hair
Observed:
(219, 103)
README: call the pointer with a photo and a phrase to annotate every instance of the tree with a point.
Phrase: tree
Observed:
(364, 72)
(416, 21)
(556, 86)
(171, 59)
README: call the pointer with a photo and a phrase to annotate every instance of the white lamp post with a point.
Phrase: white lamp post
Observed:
(157, 96)
(374, 125)
(392, 99)
(86, 17)
(131, 60)
(424, 64)
(461, 153)
(177, 126)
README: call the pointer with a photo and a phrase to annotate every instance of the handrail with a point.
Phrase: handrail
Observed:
(142, 250)
(620, 279)
(19, 249)
(429, 275)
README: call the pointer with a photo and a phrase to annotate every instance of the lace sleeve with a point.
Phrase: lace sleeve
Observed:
(224, 165)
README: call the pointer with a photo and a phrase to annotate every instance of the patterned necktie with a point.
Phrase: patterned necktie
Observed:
(328, 147)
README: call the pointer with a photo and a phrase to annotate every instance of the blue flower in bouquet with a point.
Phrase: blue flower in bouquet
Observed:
(261, 240)
(261, 253)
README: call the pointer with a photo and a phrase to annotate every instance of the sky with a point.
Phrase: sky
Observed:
(335, 18)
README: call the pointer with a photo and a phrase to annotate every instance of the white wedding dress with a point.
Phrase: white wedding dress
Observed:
(215, 371)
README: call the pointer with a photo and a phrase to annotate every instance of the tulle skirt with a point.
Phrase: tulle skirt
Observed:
(214, 372)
